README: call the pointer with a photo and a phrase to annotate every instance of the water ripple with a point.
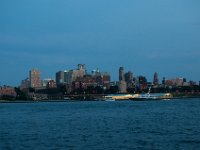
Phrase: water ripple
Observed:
(99, 125)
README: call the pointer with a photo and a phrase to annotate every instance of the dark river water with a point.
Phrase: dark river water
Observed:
(172, 124)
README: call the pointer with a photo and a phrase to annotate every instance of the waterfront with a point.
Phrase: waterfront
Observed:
(172, 124)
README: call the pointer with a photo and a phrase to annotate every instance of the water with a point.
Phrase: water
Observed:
(173, 124)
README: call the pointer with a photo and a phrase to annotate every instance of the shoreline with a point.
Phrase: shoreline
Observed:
(82, 100)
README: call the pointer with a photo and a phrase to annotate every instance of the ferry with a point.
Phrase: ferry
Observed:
(153, 96)
(120, 96)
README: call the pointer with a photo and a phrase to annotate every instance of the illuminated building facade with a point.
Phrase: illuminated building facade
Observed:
(122, 83)
(35, 78)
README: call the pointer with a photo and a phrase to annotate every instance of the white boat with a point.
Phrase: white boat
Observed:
(108, 98)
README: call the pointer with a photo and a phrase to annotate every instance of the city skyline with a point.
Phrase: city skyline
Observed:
(35, 79)
(142, 36)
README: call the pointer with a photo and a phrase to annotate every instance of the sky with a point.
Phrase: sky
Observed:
(143, 36)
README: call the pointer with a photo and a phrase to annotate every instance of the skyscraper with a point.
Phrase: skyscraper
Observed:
(121, 74)
(129, 79)
(122, 83)
(35, 78)
(155, 79)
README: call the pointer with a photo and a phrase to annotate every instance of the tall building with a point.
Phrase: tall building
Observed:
(35, 78)
(122, 87)
(68, 76)
(122, 83)
(72, 75)
(163, 81)
(155, 79)
(121, 74)
(60, 77)
(129, 77)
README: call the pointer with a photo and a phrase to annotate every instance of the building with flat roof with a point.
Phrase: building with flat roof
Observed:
(72, 75)
(35, 78)
(7, 91)
(59, 77)
(68, 76)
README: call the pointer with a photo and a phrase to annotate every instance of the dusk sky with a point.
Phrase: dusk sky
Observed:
(143, 36)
